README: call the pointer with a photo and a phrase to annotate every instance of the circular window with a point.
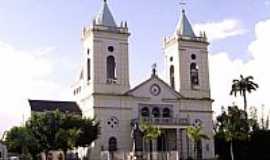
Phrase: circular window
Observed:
(171, 59)
(113, 122)
(110, 49)
(193, 56)
(155, 90)
(197, 123)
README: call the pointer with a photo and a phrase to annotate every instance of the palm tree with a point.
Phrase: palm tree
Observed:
(233, 125)
(196, 135)
(151, 133)
(244, 85)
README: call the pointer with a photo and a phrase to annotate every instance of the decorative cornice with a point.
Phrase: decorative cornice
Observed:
(113, 108)
(196, 111)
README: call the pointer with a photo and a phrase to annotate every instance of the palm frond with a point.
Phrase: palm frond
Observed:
(248, 78)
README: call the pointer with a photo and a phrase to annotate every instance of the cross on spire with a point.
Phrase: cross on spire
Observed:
(154, 69)
(182, 4)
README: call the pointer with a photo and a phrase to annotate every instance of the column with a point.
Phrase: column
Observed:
(181, 144)
(178, 143)
(189, 146)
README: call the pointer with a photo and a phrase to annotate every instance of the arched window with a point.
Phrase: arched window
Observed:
(172, 76)
(112, 144)
(111, 66)
(88, 69)
(145, 112)
(194, 74)
(156, 112)
(166, 113)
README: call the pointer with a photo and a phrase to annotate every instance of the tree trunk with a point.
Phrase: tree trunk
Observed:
(65, 154)
(151, 149)
(231, 150)
(245, 100)
(46, 155)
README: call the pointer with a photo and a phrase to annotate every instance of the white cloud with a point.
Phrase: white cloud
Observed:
(25, 74)
(223, 70)
(220, 30)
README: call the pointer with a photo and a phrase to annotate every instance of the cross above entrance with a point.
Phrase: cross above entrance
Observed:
(154, 69)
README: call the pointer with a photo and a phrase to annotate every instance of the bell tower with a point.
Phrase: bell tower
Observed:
(105, 67)
(186, 59)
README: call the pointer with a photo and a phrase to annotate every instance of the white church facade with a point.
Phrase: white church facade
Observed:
(183, 99)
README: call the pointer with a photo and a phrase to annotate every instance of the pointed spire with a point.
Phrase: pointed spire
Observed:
(184, 28)
(105, 17)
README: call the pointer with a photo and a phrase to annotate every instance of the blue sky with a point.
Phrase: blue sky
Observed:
(57, 23)
(50, 30)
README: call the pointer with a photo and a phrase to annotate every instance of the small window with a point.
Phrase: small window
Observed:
(145, 112)
(110, 48)
(111, 67)
(166, 113)
(193, 56)
(171, 59)
(172, 80)
(156, 112)
(88, 51)
(88, 69)
(194, 74)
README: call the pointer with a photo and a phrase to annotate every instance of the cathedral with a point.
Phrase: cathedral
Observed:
(102, 90)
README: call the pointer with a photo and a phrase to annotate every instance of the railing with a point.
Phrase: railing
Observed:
(200, 39)
(165, 121)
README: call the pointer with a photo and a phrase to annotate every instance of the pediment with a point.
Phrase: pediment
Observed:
(154, 87)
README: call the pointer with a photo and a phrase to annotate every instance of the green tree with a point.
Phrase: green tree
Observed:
(253, 119)
(44, 127)
(89, 131)
(52, 131)
(242, 86)
(196, 135)
(233, 125)
(151, 133)
(21, 140)
(56, 130)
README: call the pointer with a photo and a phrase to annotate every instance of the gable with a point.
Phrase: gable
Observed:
(154, 88)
